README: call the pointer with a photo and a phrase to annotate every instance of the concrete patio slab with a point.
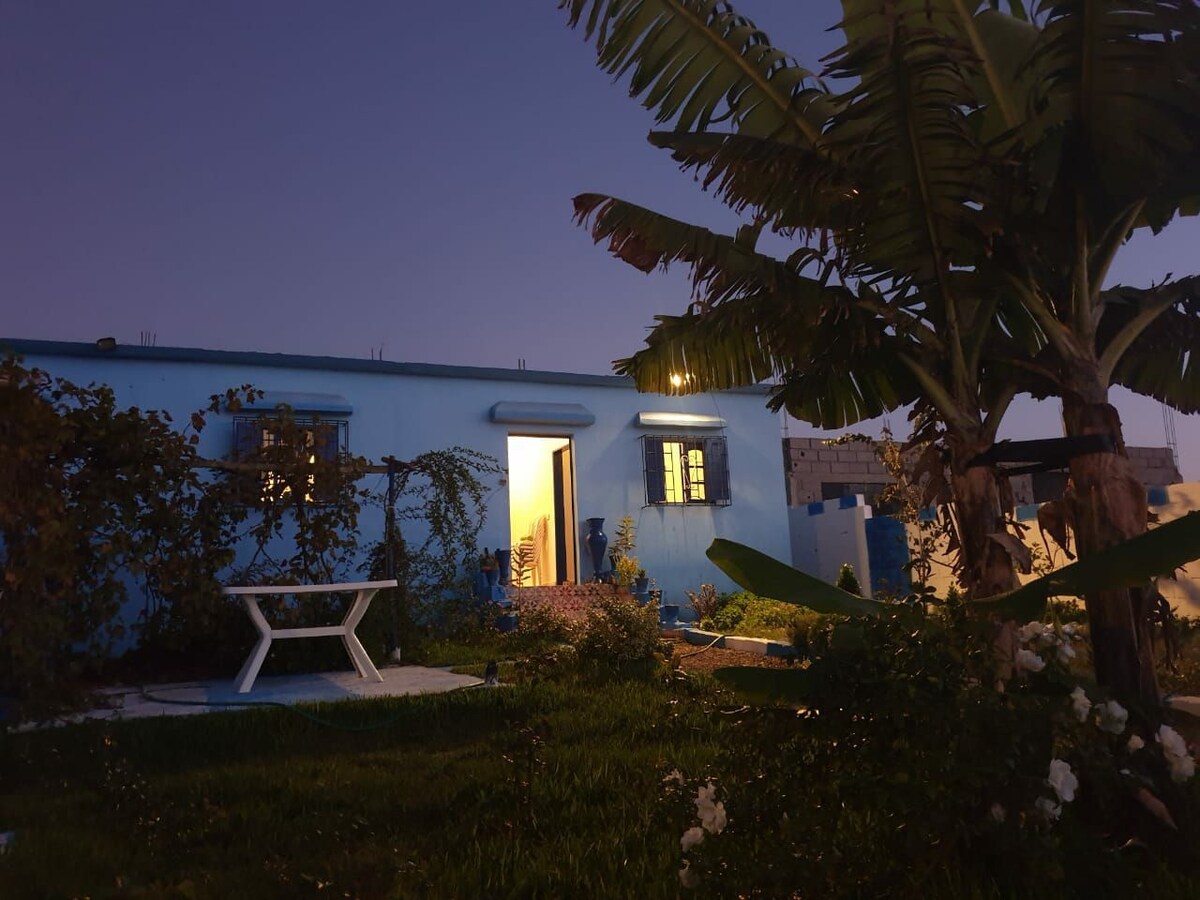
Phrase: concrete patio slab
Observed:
(194, 698)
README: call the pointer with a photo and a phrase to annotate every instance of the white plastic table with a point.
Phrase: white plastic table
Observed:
(366, 591)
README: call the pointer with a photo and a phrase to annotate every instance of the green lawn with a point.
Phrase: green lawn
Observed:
(533, 790)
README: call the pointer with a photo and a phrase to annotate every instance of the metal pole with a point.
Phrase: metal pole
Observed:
(389, 552)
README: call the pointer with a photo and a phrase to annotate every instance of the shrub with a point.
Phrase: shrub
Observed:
(621, 636)
(541, 622)
(731, 609)
(1035, 790)
(848, 581)
(93, 500)
(748, 614)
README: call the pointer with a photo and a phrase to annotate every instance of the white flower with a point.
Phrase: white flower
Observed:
(691, 838)
(1172, 741)
(1066, 653)
(1135, 744)
(687, 877)
(712, 814)
(1080, 704)
(1070, 630)
(1175, 750)
(1028, 661)
(998, 813)
(1182, 768)
(1113, 717)
(1063, 780)
(1033, 631)
(1048, 808)
(674, 776)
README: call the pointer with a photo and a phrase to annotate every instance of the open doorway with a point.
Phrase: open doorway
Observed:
(541, 507)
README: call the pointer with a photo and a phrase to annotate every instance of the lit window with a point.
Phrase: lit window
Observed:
(684, 470)
(266, 440)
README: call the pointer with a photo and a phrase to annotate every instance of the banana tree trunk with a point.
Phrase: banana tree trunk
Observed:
(1107, 502)
(986, 564)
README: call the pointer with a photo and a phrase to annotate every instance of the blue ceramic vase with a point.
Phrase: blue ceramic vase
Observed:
(597, 543)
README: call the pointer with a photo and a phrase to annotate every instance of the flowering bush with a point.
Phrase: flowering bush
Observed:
(918, 750)
(620, 636)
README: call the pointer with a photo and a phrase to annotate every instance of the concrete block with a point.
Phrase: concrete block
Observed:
(747, 644)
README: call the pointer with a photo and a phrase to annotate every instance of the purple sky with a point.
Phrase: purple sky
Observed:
(327, 178)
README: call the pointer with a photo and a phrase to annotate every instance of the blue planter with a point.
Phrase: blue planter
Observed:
(504, 558)
(668, 614)
(506, 622)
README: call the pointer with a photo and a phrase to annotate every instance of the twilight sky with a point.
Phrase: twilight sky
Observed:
(328, 178)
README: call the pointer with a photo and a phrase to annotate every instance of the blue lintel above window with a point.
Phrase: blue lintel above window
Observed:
(303, 402)
(573, 415)
(678, 420)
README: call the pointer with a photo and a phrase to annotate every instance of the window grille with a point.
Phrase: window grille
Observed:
(685, 471)
(259, 437)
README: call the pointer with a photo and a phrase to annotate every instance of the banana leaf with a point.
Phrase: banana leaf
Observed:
(1130, 564)
(768, 577)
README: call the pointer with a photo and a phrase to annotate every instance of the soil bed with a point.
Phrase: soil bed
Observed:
(694, 658)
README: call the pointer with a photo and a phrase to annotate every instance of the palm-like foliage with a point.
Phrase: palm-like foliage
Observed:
(956, 208)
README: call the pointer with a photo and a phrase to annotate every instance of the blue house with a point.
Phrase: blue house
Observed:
(687, 469)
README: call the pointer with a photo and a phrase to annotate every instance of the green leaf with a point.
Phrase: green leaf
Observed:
(1129, 564)
(768, 577)
(697, 63)
(763, 686)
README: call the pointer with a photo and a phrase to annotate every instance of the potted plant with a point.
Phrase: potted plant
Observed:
(641, 584)
(490, 568)
(625, 569)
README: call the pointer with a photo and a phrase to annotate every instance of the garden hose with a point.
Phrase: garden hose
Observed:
(715, 641)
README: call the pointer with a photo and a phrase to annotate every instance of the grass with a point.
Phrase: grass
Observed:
(532, 790)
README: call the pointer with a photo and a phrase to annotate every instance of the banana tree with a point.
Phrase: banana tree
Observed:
(970, 179)
(891, 314)
(1104, 138)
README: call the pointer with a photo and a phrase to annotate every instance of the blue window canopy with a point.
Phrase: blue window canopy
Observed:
(678, 420)
(302, 402)
(574, 415)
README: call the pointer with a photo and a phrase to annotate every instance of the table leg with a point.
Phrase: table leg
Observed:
(358, 654)
(245, 678)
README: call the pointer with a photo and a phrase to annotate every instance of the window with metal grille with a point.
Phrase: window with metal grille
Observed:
(310, 440)
(685, 470)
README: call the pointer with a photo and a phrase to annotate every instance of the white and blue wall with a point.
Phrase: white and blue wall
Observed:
(405, 409)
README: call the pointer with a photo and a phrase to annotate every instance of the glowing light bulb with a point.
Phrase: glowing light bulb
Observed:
(676, 379)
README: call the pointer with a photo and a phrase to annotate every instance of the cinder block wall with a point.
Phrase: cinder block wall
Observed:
(808, 463)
